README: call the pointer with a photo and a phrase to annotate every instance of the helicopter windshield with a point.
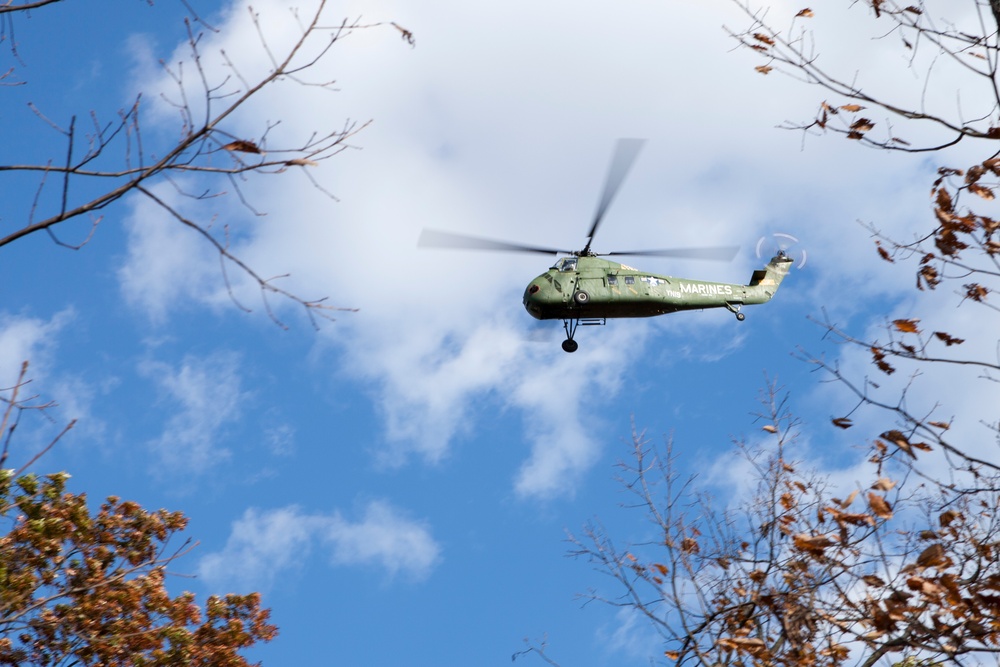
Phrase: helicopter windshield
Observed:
(566, 264)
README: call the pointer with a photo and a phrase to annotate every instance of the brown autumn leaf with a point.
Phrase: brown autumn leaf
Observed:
(993, 164)
(852, 108)
(883, 484)
(873, 580)
(690, 546)
(982, 191)
(242, 146)
(933, 556)
(879, 358)
(906, 326)
(883, 253)
(897, 438)
(751, 645)
(862, 125)
(944, 426)
(761, 37)
(842, 422)
(846, 502)
(659, 567)
(975, 291)
(948, 340)
(913, 10)
(770, 428)
(301, 162)
(814, 544)
(947, 517)
(879, 506)
(925, 586)
(805, 13)
(672, 655)
(763, 69)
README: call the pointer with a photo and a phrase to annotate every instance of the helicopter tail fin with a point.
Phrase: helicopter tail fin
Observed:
(764, 282)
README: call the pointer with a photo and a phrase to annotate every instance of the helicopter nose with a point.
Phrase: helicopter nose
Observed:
(531, 296)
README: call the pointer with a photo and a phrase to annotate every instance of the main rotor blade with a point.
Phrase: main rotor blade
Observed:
(626, 151)
(432, 238)
(718, 253)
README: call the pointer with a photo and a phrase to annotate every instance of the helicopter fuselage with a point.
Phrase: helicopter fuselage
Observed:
(586, 287)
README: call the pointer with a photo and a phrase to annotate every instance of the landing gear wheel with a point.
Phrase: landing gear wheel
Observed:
(581, 298)
(740, 316)
(570, 345)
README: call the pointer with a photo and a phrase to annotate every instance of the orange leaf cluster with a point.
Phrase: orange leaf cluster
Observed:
(89, 589)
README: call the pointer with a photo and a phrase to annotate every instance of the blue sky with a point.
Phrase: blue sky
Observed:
(399, 483)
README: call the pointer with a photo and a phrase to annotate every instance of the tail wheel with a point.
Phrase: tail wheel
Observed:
(740, 316)
(570, 345)
(581, 298)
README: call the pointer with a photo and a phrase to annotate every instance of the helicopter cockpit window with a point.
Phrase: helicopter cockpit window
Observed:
(629, 280)
(612, 280)
(566, 264)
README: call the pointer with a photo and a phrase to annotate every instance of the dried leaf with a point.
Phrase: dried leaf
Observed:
(974, 173)
(242, 146)
(850, 499)
(302, 162)
(852, 108)
(982, 191)
(947, 517)
(872, 580)
(948, 340)
(906, 326)
(763, 69)
(975, 291)
(770, 428)
(933, 556)
(944, 426)
(900, 440)
(862, 125)
(814, 544)
(690, 546)
(883, 253)
(879, 358)
(805, 13)
(883, 484)
(879, 506)
(842, 422)
(761, 37)
(672, 655)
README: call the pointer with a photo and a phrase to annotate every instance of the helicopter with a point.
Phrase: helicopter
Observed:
(583, 289)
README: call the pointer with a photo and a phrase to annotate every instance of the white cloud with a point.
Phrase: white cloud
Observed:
(516, 148)
(383, 538)
(167, 265)
(27, 339)
(35, 340)
(266, 545)
(207, 395)
(261, 547)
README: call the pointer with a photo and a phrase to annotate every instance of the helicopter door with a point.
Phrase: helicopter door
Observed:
(595, 288)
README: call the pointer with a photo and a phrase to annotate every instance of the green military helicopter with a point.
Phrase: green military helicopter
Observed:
(583, 289)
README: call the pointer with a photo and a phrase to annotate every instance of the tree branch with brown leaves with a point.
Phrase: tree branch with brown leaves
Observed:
(798, 573)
